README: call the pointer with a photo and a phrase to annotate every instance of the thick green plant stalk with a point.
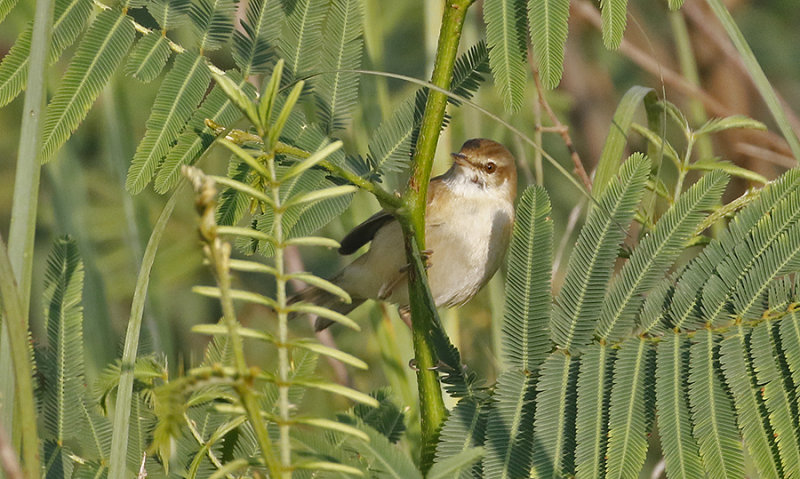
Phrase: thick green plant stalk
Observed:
(423, 311)
(26, 193)
(760, 80)
(15, 321)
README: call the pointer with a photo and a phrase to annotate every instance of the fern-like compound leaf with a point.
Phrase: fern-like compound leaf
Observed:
(591, 424)
(778, 394)
(614, 14)
(68, 21)
(99, 53)
(790, 343)
(212, 22)
(509, 427)
(713, 420)
(655, 254)
(464, 428)
(169, 13)
(180, 93)
(197, 137)
(581, 299)
(148, 57)
(751, 412)
(631, 407)
(301, 44)
(506, 34)
(254, 45)
(62, 363)
(681, 453)
(675, 4)
(554, 420)
(548, 23)
(5, 7)
(341, 50)
(528, 297)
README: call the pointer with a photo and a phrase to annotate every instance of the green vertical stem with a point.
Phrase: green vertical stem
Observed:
(14, 320)
(26, 194)
(759, 78)
(423, 309)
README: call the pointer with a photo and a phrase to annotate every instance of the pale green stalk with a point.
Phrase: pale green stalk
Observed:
(760, 80)
(26, 195)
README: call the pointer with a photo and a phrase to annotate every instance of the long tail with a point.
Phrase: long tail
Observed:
(320, 297)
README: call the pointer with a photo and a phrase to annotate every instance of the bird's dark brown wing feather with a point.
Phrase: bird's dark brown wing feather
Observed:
(363, 233)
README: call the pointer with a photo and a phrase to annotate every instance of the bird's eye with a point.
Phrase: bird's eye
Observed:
(490, 167)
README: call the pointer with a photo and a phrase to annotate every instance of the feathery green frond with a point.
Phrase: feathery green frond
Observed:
(506, 34)
(341, 50)
(98, 55)
(169, 13)
(631, 397)
(591, 423)
(232, 202)
(96, 432)
(390, 147)
(751, 412)
(148, 57)
(777, 397)
(179, 95)
(464, 428)
(675, 4)
(528, 297)
(58, 463)
(614, 14)
(548, 20)
(681, 453)
(62, 363)
(212, 22)
(716, 125)
(654, 309)
(655, 254)
(197, 137)
(790, 343)
(712, 412)
(722, 255)
(579, 304)
(456, 464)
(509, 426)
(384, 459)
(68, 21)
(554, 421)
(301, 42)
(5, 7)
(254, 45)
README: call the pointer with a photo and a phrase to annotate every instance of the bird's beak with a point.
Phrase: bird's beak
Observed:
(461, 159)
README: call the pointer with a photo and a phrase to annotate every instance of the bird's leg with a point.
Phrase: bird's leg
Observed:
(426, 260)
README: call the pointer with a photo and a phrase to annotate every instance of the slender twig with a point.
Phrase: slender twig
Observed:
(562, 130)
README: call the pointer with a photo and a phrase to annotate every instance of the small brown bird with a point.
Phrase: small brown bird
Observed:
(468, 223)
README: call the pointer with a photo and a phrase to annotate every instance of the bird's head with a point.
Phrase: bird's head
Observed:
(487, 164)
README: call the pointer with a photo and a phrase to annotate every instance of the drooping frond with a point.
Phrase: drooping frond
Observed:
(506, 34)
(685, 309)
(614, 14)
(341, 50)
(96, 432)
(548, 23)
(197, 137)
(169, 13)
(5, 7)
(212, 22)
(232, 202)
(654, 309)
(509, 427)
(580, 301)
(58, 461)
(148, 57)
(383, 458)
(790, 342)
(712, 412)
(631, 406)
(591, 423)
(528, 297)
(68, 21)
(464, 428)
(179, 95)
(63, 358)
(777, 396)
(554, 422)
(655, 254)
(254, 48)
(741, 379)
(681, 454)
(302, 40)
(781, 257)
(390, 148)
(98, 55)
